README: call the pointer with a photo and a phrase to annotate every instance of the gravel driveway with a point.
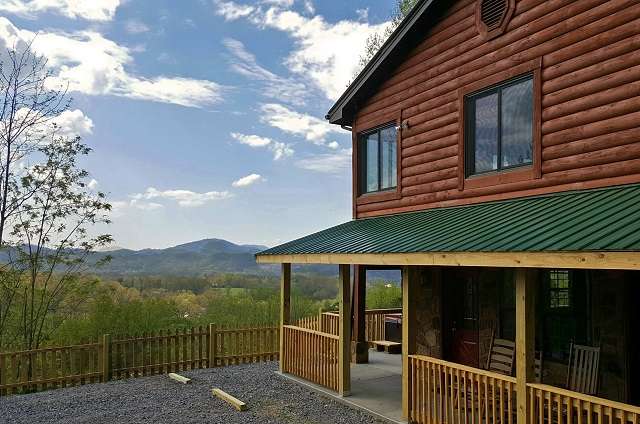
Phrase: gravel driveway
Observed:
(270, 399)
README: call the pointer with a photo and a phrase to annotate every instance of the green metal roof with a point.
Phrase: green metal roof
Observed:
(588, 220)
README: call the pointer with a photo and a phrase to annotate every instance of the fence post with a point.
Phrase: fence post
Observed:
(212, 345)
(106, 358)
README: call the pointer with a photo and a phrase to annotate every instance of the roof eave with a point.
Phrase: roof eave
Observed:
(336, 114)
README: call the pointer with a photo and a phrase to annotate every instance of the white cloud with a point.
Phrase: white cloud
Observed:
(93, 184)
(281, 3)
(94, 10)
(280, 150)
(363, 14)
(120, 207)
(145, 206)
(311, 128)
(325, 53)
(134, 26)
(231, 11)
(184, 198)
(308, 6)
(248, 180)
(328, 163)
(91, 64)
(72, 123)
(272, 85)
(252, 140)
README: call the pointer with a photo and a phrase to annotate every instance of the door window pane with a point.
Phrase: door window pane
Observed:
(486, 133)
(517, 124)
(389, 158)
(372, 162)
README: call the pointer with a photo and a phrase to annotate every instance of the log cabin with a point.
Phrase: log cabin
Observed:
(496, 162)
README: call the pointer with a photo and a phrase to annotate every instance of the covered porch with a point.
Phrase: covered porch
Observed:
(522, 252)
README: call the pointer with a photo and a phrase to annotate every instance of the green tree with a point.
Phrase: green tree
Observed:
(384, 295)
(45, 205)
(376, 40)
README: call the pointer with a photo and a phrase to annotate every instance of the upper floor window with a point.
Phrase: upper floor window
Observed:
(499, 127)
(378, 160)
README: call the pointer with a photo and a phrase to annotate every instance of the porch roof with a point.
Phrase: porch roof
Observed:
(598, 228)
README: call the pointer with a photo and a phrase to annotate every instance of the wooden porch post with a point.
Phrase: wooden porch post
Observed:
(344, 347)
(285, 306)
(408, 332)
(525, 339)
(360, 350)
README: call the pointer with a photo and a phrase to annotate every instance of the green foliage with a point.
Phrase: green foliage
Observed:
(150, 304)
(376, 40)
(384, 295)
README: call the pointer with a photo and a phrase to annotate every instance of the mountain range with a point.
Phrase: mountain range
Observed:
(196, 258)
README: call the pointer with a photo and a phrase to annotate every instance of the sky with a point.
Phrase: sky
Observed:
(206, 117)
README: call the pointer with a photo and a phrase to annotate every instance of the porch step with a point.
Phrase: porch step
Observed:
(387, 346)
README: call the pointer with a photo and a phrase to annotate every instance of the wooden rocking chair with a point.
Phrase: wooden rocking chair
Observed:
(582, 377)
(582, 373)
(501, 359)
(502, 355)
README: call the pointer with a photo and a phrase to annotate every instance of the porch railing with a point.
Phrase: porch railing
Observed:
(311, 355)
(375, 323)
(445, 392)
(555, 405)
(328, 322)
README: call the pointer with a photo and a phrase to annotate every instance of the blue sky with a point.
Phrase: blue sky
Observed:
(206, 116)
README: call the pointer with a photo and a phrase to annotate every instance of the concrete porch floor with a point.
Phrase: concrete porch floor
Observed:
(376, 387)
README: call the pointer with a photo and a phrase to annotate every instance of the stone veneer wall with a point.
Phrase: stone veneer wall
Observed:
(429, 312)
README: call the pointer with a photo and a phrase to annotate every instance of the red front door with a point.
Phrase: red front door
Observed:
(461, 304)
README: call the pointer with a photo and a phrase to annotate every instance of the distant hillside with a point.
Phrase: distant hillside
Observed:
(196, 258)
(200, 258)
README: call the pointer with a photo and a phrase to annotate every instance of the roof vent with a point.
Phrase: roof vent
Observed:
(493, 16)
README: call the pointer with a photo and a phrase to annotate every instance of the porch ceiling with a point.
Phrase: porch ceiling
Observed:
(597, 228)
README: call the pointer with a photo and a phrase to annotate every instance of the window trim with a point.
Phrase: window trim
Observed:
(512, 174)
(383, 195)
(470, 143)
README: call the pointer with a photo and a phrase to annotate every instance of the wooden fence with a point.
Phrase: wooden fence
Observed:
(311, 355)
(149, 354)
(445, 392)
(554, 405)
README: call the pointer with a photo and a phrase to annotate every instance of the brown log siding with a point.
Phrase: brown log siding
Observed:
(590, 99)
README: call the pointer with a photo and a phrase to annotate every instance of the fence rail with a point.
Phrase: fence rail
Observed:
(556, 405)
(149, 354)
(328, 322)
(311, 355)
(444, 392)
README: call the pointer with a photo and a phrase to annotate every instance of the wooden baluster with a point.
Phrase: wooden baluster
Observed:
(492, 390)
(185, 341)
(191, 351)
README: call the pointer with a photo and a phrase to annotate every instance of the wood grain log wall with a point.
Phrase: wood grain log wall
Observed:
(590, 52)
